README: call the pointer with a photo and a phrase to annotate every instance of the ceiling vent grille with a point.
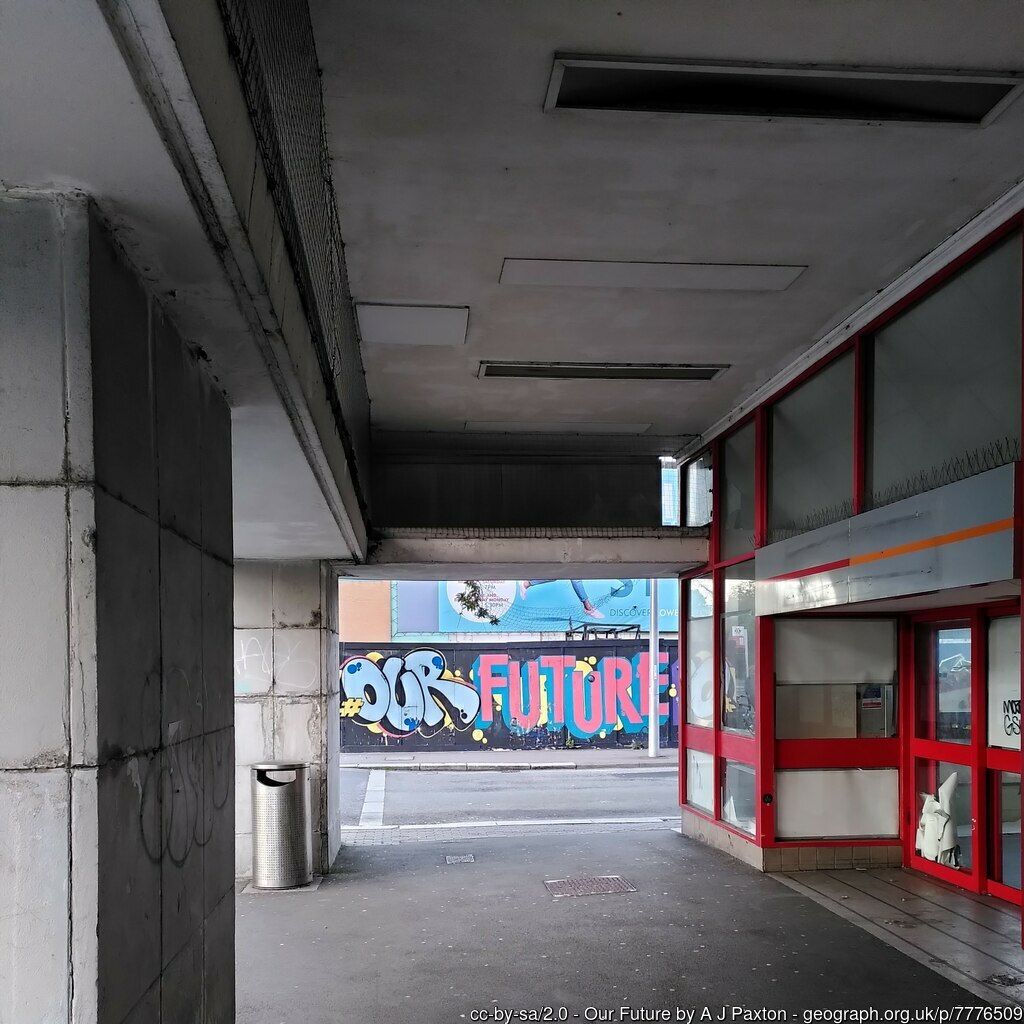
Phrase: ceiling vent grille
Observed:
(770, 91)
(603, 371)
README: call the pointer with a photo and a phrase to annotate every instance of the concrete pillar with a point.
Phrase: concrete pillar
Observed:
(286, 691)
(116, 803)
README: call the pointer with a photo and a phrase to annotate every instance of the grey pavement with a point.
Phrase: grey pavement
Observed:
(505, 760)
(418, 797)
(398, 936)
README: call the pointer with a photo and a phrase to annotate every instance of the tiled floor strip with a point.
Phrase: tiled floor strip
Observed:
(971, 940)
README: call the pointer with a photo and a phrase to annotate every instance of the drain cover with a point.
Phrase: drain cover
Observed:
(587, 885)
(462, 858)
(1005, 980)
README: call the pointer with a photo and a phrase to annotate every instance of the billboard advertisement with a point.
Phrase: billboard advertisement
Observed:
(533, 606)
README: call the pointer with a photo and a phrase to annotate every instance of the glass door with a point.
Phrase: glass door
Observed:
(962, 772)
(943, 791)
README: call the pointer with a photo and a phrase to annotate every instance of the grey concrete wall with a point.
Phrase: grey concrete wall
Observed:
(116, 750)
(286, 691)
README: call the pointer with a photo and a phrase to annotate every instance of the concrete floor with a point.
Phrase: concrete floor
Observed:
(397, 936)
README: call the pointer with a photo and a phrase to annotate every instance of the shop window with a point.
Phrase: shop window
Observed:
(737, 484)
(700, 781)
(1004, 682)
(738, 648)
(699, 486)
(811, 461)
(738, 795)
(946, 379)
(944, 684)
(837, 803)
(700, 662)
(944, 825)
(835, 678)
(1006, 855)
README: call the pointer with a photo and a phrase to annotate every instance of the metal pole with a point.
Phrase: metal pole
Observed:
(653, 717)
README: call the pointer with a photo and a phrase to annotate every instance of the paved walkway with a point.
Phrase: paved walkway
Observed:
(401, 936)
(395, 758)
(972, 939)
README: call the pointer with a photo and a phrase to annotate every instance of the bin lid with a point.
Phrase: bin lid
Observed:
(280, 766)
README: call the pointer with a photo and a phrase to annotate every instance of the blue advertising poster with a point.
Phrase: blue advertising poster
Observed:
(553, 606)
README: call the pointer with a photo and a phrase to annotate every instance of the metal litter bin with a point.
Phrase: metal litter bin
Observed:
(282, 834)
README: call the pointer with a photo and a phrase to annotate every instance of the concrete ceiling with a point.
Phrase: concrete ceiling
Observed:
(71, 118)
(445, 164)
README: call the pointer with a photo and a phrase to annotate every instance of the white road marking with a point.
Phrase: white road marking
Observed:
(372, 814)
(513, 822)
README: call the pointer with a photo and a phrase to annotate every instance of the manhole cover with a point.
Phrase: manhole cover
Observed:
(1005, 980)
(462, 858)
(586, 885)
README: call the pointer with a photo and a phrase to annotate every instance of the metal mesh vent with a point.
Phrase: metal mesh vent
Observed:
(589, 885)
(272, 44)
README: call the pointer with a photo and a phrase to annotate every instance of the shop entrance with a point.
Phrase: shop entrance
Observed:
(961, 772)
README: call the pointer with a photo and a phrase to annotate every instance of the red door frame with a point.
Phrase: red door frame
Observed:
(982, 759)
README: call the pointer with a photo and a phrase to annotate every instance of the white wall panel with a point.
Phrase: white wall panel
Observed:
(835, 650)
(844, 803)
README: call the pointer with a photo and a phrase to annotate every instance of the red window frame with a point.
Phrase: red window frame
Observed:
(762, 751)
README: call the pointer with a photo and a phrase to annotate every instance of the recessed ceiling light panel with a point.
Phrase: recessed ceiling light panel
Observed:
(582, 82)
(705, 277)
(381, 324)
(602, 371)
(530, 426)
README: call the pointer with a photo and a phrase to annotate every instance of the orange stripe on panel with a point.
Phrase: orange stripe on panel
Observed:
(935, 542)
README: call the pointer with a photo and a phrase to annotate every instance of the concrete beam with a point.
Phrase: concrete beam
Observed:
(177, 53)
(531, 554)
(515, 481)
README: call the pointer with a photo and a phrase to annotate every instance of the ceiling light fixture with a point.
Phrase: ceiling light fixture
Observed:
(705, 277)
(583, 82)
(602, 371)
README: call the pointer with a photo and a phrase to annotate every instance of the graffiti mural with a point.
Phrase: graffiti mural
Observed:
(537, 695)
(407, 693)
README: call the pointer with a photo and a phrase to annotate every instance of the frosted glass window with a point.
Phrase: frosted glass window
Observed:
(738, 795)
(1004, 682)
(811, 461)
(738, 648)
(700, 780)
(737, 483)
(837, 804)
(945, 397)
(700, 661)
(835, 678)
(699, 483)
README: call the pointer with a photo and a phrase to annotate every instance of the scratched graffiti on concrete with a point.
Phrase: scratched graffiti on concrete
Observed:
(401, 695)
